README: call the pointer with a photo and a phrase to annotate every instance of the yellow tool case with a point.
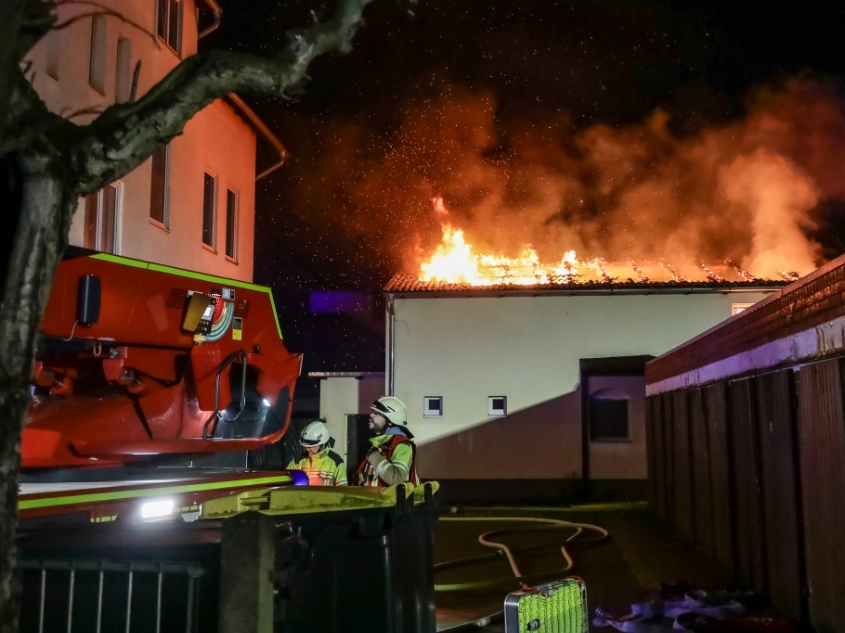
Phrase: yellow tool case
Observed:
(554, 607)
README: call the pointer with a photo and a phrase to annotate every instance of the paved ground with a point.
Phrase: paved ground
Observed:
(623, 569)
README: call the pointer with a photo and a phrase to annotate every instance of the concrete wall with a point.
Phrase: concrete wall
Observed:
(216, 140)
(342, 396)
(528, 349)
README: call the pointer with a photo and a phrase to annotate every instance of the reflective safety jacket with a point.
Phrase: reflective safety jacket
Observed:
(390, 461)
(326, 468)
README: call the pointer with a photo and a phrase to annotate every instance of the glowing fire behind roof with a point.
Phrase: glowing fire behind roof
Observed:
(456, 261)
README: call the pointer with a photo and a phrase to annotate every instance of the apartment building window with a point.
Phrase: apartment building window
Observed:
(123, 81)
(209, 208)
(160, 187)
(52, 43)
(97, 64)
(170, 23)
(232, 225)
(101, 219)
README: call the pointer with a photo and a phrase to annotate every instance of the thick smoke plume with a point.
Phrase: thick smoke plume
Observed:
(748, 191)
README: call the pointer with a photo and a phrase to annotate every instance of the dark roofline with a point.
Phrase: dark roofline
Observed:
(408, 287)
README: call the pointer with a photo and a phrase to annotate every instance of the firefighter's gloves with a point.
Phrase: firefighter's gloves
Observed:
(374, 458)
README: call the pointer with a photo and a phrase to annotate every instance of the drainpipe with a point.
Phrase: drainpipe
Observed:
(391, 344)
(217, 11)
(258, 123)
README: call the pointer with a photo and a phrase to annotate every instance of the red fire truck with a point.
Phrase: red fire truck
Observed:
(142, 373)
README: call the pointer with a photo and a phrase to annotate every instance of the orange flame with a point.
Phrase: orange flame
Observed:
(456, 261)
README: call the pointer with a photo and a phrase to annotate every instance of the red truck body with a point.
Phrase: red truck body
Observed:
(118, 377)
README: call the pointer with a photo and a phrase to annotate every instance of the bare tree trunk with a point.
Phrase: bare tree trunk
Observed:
(46, 203)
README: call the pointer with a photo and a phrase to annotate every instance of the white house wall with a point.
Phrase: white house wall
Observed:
(528, 349)
(216, 140)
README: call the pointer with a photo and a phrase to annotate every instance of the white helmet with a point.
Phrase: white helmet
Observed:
(315, 434)
(391, 408)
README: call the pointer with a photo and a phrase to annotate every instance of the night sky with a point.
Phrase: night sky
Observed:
(538, 65)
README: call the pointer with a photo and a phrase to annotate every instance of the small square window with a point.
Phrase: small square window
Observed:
(433, 406)
(497, 406)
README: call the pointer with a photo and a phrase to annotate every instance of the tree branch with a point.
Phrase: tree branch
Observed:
(126, 134)
(27, 115)
(34, 23)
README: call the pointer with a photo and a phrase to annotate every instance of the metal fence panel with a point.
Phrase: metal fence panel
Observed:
(102, 595)
(781, 499)
(716, 416)
(657, 457)
(654, 454)
(747, 487)
(668, 460)
(682, 469)
(821, 440)
(701, 477)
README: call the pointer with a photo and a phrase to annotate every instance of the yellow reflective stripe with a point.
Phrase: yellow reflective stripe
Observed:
(275, 314)
(104, 519)
(340, 475)
(402, 456)
(124, 261)
(49, 502)
(181, 272)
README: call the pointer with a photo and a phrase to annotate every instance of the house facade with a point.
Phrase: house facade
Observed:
(192, 204)
(539, 389)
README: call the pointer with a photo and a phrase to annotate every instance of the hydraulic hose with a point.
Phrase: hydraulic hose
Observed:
(501, 548)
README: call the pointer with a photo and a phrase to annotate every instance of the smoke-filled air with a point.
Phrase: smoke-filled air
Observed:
(461, 196)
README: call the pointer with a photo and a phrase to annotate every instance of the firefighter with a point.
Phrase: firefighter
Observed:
(323, 466)
(391, 456)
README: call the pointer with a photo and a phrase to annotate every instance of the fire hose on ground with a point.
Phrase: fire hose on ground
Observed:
(502, 549)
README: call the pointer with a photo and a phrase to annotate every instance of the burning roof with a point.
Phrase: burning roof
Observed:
(404, 283)
(456, 265)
